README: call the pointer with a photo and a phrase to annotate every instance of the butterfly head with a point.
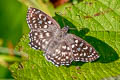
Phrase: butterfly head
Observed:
(65, 29)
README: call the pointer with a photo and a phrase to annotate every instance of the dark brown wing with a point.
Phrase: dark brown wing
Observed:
(42, 28)
(81, 50)
(61, 55)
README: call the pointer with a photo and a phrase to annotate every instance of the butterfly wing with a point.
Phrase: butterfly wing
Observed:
(61, 55)
(42, 28)
(81, 50)
(44, 33)
(36, 17)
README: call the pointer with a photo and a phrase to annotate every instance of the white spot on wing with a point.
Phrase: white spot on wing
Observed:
(33, 18)
(53, 55)
(47, 34)
(45, 26)
(49, 22)
(36, 12)
(44, 18)
(90, 49)
(84, 54)
(45, 22)
(56, 50)
(31, 15)
(34, 21)
(81, 44)
(59, 58)
(39, 48)
(63, 53)
(81, 54)
(43, 40)
(39, 43)
(46, 42)
(67, 57)
(41, 36)
(36, 41)
(86, 47)
(35, 25)
(40, 16)
(76, 41)
(56, 56)
(68, 48)
(40, 22)
(64, 47)
(73, 46)
(78, 49)
(36, 33)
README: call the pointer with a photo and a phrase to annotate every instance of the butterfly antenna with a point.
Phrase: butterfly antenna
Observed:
(63, 21)
(72, 28)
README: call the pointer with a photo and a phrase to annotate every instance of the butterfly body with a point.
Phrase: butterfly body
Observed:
(60, 47)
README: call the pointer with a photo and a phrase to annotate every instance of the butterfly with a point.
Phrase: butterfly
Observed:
(60, 47)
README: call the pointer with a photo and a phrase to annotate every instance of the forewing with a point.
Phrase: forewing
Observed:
(61, 55)
(37, 19)
(82, 51)
(42, 28)
(40, 39)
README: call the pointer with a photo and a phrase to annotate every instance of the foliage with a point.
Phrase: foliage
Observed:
(11, 25)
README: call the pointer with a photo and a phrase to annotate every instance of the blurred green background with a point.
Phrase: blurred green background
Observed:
(12, 21)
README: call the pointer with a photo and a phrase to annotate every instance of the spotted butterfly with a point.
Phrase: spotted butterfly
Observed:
(59, 47)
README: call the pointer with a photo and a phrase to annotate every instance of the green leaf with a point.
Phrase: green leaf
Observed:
(97, 22)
